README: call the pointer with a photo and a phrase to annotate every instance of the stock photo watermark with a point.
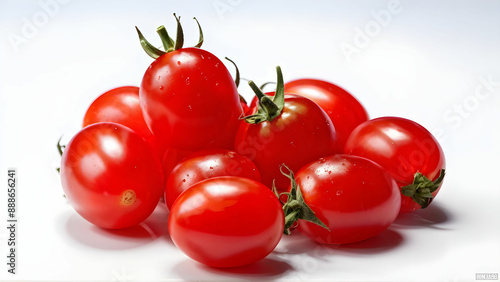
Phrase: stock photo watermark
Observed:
(222, 7)
(373, 28)
(486, 276)
(459, 112)
(31, 26)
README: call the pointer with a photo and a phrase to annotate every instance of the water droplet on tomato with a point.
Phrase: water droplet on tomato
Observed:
(159, 77)
(340, 192)
(190, 108)
(178, 63)
(187, 81)
(183, 180)
(321, 160)
(229, 155)
(329, 172)
(161, 87)
(202, 57)
(211, 167)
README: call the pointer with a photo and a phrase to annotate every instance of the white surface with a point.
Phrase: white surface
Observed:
(422, 64)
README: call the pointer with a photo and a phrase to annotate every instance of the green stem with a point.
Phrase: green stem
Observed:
(168, 42)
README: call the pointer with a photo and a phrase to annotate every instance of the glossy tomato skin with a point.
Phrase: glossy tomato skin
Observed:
(190, 101)
(111, 176)
(206, 164)
(226, 221)
(120, 105)
(300, 134)
(402, 147)
(355, 198)
(345, 111)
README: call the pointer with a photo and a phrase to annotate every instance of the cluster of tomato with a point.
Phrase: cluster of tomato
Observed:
(225, 168)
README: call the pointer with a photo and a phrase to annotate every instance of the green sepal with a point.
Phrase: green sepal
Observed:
(200, 40)
(237, 78)
(422, 188)
(179, 39)
(168, 43)
(60, 149)
(151, 50)
(295, 207)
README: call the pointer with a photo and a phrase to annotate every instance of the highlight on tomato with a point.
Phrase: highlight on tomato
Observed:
(284, 128)
(111, 176)
(120, 105)
(352, 197)
(188, 97)
(408, 151)
(344, 110)
(206, 164)
(226, 221)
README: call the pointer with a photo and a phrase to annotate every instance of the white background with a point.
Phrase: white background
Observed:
(427, 62)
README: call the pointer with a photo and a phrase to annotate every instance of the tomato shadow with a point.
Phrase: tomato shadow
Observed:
(268, 268)
(431, 217)
(386, 241)
(90, 235)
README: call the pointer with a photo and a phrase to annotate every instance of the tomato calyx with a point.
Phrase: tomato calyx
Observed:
(295, 207)
(269, 107)
(60, 149)
(237, 79)
(168, 43)
(422, 188)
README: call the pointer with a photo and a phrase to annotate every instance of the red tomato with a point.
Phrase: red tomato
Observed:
(190, 101)
(353, 196)
(297, 134)
(226, 221)
(343, 109)
(403, 148)
(207, 164)
(110, 176)
(120, 105)
(172, 158)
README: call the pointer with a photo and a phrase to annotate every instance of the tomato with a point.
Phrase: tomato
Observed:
(345, 111)
(404, 148)
(353, 196)
(298, 133)
(120, 105)
(226, 221)
(207, 164)
(111, 176)
(189, 98)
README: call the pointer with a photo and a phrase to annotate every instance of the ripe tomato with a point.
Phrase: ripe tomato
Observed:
(207, 164)
(120, 105)
(111, 176)
(353, 196)
(226, 221)
(341, 107)
(188, 97)
(403, 147)
(298, 133)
